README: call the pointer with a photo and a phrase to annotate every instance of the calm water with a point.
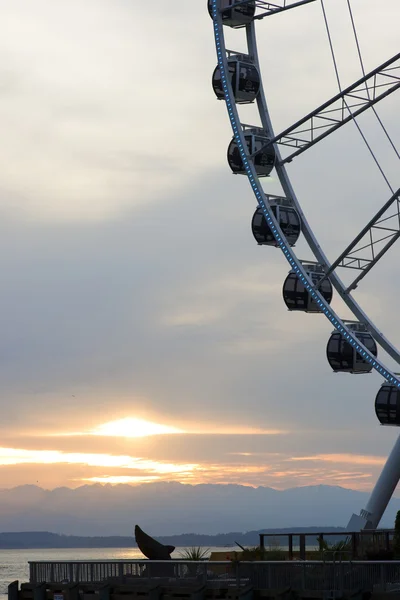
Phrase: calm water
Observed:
(14, 563)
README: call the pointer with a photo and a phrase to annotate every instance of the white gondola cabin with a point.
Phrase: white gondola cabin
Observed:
(343, 356)
(296, 296)
(263, 155)
(244, 78)
(288, 219)
(387, 404)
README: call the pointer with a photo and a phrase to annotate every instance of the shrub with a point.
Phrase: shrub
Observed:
(256, 553)
(330, 551)
(194, 553)
(379, 554)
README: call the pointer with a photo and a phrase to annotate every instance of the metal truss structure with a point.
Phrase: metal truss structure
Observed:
(341, 109)
(373, 241)
(270, 8)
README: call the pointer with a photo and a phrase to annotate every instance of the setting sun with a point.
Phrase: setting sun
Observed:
(130, 427)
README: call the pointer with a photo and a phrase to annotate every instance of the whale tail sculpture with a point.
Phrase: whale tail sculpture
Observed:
(152, 549)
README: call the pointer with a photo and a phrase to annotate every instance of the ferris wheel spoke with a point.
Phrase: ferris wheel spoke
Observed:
(376, 238)
(339, 110)
(384, 129)
(239, 13)
(274, 8)
(268, 7)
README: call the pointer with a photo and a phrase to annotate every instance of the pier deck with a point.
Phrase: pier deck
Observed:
(318, 578)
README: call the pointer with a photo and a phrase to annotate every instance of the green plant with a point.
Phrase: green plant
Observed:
(194, 553)
(342, 545)
(329, 551)
(274, 554)
(323, 544)
(376, 553)
(256, 553)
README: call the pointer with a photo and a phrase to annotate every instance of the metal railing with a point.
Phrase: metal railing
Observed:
(343, 576)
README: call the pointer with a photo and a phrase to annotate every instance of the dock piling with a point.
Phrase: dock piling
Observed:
(13, 590)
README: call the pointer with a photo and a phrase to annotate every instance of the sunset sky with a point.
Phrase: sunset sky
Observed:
(144, 336)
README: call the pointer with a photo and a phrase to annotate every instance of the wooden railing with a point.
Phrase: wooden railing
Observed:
(344, 576)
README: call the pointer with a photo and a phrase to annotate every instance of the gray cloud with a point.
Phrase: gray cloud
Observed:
(131, 284)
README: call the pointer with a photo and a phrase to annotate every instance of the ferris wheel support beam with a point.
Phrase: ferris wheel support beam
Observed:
(371, 515)
(350, 257)
(337, 111)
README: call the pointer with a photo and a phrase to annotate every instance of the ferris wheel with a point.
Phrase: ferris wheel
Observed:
(255, 150)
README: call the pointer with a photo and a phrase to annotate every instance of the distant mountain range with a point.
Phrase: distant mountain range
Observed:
(171, 509)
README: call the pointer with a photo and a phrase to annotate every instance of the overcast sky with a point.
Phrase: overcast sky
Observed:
(132, 287)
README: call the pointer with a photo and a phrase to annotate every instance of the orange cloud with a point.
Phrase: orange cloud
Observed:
(355, 459)
(13, 456)
(21, 465)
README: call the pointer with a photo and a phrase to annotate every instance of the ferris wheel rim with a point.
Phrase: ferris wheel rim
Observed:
(309, 235)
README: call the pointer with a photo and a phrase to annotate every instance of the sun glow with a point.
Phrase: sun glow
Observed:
(133, 428)
(130, 427)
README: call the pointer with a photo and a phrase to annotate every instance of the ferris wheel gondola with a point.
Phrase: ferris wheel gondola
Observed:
(257, 146)
(244, 78)
(387, 404)
(345, 358)
(297, 297)
(286, 216)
